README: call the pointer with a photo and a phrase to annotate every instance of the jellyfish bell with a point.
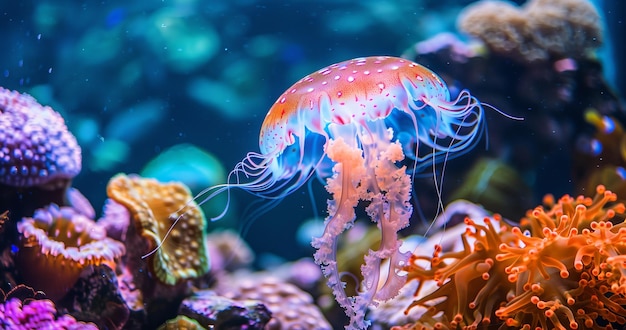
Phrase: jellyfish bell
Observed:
(354, 95)
(365, 127)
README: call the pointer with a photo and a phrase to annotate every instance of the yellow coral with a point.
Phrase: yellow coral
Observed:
(155, 206)
(563, 267)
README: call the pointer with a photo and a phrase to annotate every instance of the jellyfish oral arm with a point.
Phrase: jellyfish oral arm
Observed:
(387, 188)
(343, 186)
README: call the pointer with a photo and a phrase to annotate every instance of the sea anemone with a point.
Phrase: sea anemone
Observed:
(57, 244)
(562, 267)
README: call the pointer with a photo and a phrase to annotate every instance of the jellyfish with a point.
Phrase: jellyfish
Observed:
(364, 127)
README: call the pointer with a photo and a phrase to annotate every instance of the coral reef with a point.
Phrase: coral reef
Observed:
(123, 75)
(155, 206)
(539, 30)
(61, 243)
(562, 267)
(553, 93)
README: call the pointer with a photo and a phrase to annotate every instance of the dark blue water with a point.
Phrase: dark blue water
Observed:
(133, 78)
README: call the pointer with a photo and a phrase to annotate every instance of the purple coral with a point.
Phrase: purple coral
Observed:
(36, 147)
(36, 314)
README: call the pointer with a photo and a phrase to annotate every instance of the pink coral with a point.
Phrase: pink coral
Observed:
(37, 314)
(36, 147)
(291, 307)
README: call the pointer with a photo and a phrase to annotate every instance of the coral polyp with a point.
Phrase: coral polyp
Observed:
(563, 267)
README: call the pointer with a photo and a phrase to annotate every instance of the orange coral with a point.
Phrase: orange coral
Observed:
(57, 245)
(564, 267)
(154, 207)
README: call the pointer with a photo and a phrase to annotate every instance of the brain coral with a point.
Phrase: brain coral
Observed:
(291, 307)
(536, 31)
(36, 147)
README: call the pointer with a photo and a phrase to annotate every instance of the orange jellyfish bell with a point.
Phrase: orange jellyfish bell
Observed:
(357, 125)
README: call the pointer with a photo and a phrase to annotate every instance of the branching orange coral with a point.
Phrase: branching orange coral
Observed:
(564, 267)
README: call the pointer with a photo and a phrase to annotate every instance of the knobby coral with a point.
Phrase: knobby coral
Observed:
(57, 244)
(563, 267)
(154, 207)
(291, 307)
(536, 31)
(36, 147)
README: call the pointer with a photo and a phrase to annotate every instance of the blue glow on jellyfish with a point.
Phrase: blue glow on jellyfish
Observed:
(364, 127)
